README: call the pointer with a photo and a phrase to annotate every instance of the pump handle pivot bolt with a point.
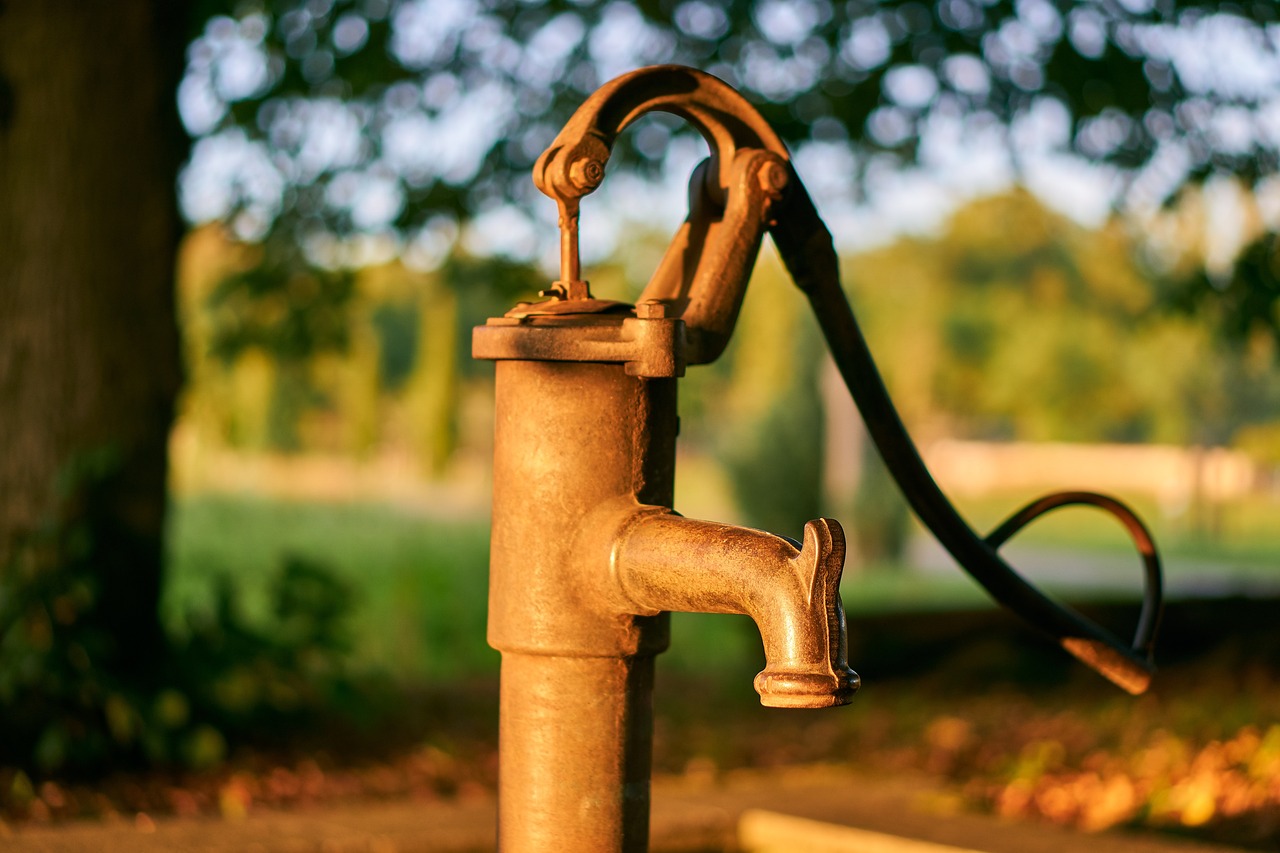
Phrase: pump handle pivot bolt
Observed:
(773, 179)
(586, 173)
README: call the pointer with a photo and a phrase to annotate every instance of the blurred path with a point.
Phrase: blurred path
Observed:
(785, 810)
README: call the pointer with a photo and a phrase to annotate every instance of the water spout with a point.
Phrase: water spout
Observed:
(662, 561)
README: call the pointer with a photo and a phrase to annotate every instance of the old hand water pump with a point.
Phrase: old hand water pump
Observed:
(588, 556)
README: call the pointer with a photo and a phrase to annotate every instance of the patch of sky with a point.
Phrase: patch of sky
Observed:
(701, 20)
(350, 32)
(1220, 55)
(228, 172)
(427, 248)
(547, 53)
(789, 22)
(911, 86)
(426, 32)
(226, 63)
(623, 41)
(965, 73)
(867, 44)
(778, 75)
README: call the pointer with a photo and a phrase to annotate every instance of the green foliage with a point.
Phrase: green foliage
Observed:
(496, 280)
(290, 310)
(69, 704)
(879, 517)
(334, 357)
(248, 678)
(282, 305)
(771, 442)
(1261, 441)
(438, 109)
(817, 70)
(1243, 302)
(1015, 323)
(419, 584)
(775, 462)
(397, 327)
(47, 651)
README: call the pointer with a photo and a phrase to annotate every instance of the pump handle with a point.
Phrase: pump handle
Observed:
(705, 274)
(573, 165)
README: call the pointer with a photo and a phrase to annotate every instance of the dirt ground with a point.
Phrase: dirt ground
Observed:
(977, 730)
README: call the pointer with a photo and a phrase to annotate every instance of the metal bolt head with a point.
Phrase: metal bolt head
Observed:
(773, 178)
(651, 309)
(586, 173)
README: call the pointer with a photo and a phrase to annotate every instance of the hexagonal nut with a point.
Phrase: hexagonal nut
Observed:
(651, 309)
(773, 178)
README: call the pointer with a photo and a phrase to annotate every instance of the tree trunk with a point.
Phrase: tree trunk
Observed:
(89, 364)
(433, 387)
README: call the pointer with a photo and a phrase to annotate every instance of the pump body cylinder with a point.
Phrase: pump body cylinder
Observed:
(577, 678)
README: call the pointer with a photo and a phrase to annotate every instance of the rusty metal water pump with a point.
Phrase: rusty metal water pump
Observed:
(588, 556)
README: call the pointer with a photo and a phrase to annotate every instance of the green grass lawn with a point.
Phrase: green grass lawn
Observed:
(419, 585)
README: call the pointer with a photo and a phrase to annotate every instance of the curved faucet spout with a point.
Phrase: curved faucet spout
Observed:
(663, 561)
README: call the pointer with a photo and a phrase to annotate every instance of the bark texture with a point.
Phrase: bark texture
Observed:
(89, 364)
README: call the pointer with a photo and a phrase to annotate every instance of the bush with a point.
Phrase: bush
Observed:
(68, 704)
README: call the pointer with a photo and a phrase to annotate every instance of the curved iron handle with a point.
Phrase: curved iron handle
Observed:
(746, 150)
(573, 165)
(703, 276)
(806, 248)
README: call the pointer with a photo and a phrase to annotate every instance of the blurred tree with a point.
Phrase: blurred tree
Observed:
(345, 127)
(1242, 300)
(289, 309)
(1015, 323)
(326, 117)
(772, 446)
(355, 115)
(433, 389)
(90, 143)
(336, 124)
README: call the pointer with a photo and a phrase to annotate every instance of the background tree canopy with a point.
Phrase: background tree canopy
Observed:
(319, 120)
(370, 114)
(1015, 323)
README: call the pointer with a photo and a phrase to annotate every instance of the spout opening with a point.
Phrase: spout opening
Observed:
(781, 689)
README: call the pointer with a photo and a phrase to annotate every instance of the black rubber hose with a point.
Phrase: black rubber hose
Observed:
(1144, 637)
(806, 248)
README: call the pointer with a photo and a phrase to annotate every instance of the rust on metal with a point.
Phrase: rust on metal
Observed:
(588, 557)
